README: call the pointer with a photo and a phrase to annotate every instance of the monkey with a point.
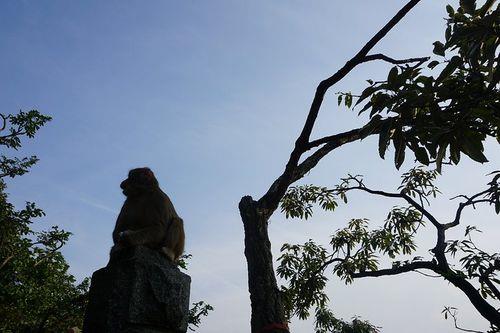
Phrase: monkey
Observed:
(148, 217)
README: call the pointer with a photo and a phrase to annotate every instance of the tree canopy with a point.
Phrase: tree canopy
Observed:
(38, 293)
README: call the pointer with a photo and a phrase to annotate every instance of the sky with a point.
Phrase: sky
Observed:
(211, 95)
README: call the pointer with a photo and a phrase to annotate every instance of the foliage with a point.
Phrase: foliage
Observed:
(354, 251)
(447, 105)
(200, 309)
(183, 261)
(298, 200)
(38, 293)
(300, 265)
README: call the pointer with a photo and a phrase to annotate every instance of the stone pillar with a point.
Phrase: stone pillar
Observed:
(138, 291)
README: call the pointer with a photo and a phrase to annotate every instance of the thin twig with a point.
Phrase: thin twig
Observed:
(383, 57)
(454, 316)
(6, 260)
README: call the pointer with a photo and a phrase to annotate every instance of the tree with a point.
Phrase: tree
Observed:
(356, 250)
(437, 117)
(38, 294)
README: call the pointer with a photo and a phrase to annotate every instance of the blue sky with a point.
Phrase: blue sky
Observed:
(211, 95)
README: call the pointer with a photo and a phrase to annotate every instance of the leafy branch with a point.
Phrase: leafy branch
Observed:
(355, 249)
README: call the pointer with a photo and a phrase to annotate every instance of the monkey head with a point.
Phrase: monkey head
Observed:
(138, 182)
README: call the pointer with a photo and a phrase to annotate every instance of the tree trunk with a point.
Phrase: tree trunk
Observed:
(268, 315)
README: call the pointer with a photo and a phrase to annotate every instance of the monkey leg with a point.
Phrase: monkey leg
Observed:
(174, 239)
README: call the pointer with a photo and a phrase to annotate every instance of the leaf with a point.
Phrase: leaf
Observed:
(421, 155)
(487, 6)
(469, 6)
(383, 141)
(348, 100)
(440, 156)
(447, 33)
(450, 10)
(438, 48)
(339, 100)
(393, 75)
(473, 148)
(453, 64)
(477, 156)
(454, 153)
(367, 92)
(399, 146)
(433, 64)
(366, 107)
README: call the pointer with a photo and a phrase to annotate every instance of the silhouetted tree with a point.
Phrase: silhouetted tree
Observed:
(436, 107)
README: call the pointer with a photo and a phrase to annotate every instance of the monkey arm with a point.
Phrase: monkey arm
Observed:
(152, 235)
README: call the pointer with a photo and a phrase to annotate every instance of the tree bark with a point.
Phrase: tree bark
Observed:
(267, 308)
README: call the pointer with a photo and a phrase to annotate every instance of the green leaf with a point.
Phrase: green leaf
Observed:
(348, 100)
(339, 100)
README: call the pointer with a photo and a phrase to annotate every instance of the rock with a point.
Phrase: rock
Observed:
(138, 291)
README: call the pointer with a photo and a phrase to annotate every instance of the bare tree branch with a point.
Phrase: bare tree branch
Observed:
(331, 142)
(337, 140)
(48, 254)
(270, 201)
(406, 197)
(383, 57)
(4, 121)
(470, 201)
(13, 134)
(453, 314)
(439, 249)
(398, 270)
(9, 258)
